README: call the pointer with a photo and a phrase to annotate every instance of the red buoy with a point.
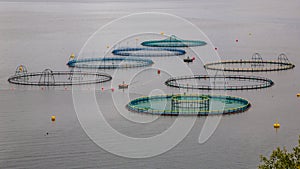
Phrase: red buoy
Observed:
(112, 89)
(102, 88)
(216, 48)
(158, 71)
(194, 58)
(236, 40)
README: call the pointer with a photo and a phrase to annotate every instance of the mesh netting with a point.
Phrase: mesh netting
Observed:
(201, 105)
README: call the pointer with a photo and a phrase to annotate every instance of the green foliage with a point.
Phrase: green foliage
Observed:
(282, 159)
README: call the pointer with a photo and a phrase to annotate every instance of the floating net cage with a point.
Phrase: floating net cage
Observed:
(110, 62)
(173, 41)
(219, 82)
(254, 65)
(59, 78)
(180, 104)
(148, 52)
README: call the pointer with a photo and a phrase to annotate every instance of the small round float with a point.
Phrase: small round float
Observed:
(58, 78)
(174, 42)
(254, 65)
(148, 52)
(219, 82)
(110, 62)
(196, 104)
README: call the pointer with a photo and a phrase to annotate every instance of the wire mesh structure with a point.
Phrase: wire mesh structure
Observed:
(259, 61)
(179, 104)
(254, 65)
(58, 78)
(148, 52)
(283, 58)
(110, 62)
(173, 41)
(219, 82)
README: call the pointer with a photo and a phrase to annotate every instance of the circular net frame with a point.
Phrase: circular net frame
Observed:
(59, 78)
(109, 63)
(173, 41)
(219, 82)
(148, 52)
(256, 64)
(192, 104)
(249, 66)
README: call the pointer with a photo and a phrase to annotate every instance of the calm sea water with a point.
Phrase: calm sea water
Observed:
(43, 34)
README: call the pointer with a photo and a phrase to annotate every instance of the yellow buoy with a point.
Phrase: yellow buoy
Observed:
(53, 118)
(276, 125)
(72, 56)
(162, 33)
(20, 68)
(298, 94)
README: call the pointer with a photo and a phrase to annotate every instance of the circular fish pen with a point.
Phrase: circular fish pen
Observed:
(254, 65)
(148, 52)
(58, 78)
(179, 104)
(109, 63)
(220, 82)
(173, 41)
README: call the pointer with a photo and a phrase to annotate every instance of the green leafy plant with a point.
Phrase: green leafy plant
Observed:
(282, 159)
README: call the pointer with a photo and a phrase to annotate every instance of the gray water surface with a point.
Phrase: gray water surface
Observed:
(43, 34)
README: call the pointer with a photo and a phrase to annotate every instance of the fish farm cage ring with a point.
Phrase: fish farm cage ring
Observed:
(148, 52)
(110, 63)
(249, 66)
(59, 78)
(194, 104)
(228, 82)
(173, 41)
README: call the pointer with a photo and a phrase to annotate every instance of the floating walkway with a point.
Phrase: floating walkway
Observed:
(220, 82)
(179, 104)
